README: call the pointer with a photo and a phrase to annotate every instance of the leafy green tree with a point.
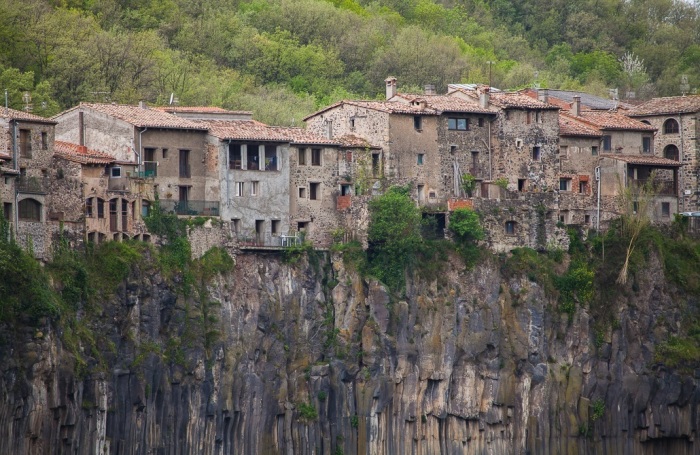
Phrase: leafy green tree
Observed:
(465, 224)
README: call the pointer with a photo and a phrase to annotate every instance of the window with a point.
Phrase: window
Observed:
(421, 157)
(314, 191)
(183, 193)
(145, 208)
(528, 118)
(646, 145)
(149, 154)
(432, 195)
(352, 123)
(564, 150)
(665, 209)
(259, 228)
(44, 140)
(671, 126)
(594, 150)
(100, 208)
(461, 124)
(113, 205)
(253, 158)
(302, 226)
(607, 143)
(184, 164)
(302, 193)
(671, 152)
(538, 117)
(234, 156)
(165, 153)
(302, 157)
(522, 184)
(535, 153)
(421, 193)
(29, 210)
(88, 207)
(583, 187)
(240, 187)
(587, 219)
(275, 227)
(564, 216)
(7, 210)
(270, 157)
(564, 184)
(115, 172)
(315, 157)
(236, 224)
(345, 190)
(510, 227)
(25, 143)
(375, 165)
(481, 121)
(507, 113)
(254, 188)
(417, 122)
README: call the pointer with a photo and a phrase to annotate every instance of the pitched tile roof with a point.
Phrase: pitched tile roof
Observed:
(504, 100)
(140, 117)
(14, 114)
(250, 130)
(564, 99)
(389, 107)
(609, 120)
(668, 105)
(302, 136)
(445, 103)
(81, 154)
(648, 160)
(570, 126)
(352, 141)
(199, 110)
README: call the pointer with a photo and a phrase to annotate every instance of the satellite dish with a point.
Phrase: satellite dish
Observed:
(172, 98)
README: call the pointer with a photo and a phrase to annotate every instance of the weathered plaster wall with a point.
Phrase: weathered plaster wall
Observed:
(101, 132)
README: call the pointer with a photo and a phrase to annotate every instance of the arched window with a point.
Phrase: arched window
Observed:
(671, 126)
(510, 227)
(671, 152)
(29, 210)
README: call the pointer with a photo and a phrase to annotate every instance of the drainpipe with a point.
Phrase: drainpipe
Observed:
(15, 166)
(228, 172)
(598, 178)
(138, 154)
(490, 153)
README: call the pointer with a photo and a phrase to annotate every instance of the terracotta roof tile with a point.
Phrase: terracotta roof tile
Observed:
(141, 117)
(608, 120)
(251, 130)
(668, 105)
(199, 110)
(81, 154)
(13, 114)
(570, 126)
(644, 160)
(389, 107)
(505, 100)
(445, 103)
(302, 136)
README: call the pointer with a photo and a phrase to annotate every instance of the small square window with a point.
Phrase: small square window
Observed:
(583, 187)
(565, 184)
(275, 227)
(421, 157)
(302, 226)
(594, 150)
(665, 209)
(165, 153)
(302, 193)
(115, 172)
(522, 185)
(345, 190)
(587, 219)
(510, 227)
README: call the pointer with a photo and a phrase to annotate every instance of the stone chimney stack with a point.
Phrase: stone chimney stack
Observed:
(543, 95)
(429, 89)
(142, 105)
(484, 97)
(576, 106)
(390, 87)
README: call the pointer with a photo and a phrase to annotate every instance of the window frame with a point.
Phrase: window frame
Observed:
(510, 227)
(29, 209)
(316, 158)
(458, 123)
(671, 126)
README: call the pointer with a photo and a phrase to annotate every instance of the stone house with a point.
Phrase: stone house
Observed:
(96, 195)
(565, 100)
(171, 154)
(676, 120)
(28, 145)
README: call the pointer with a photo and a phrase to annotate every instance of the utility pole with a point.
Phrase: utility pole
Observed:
(490, 64)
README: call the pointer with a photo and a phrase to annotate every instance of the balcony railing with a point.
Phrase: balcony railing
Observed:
(663, 188)
(118, 184)
(268, 240)
(190, 208)
(36, 185)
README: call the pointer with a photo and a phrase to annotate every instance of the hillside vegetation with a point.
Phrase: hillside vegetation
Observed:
(283, 59)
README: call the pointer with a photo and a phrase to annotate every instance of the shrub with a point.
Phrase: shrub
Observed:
(307, 412)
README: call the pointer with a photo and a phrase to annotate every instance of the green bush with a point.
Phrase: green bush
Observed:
(307, 412)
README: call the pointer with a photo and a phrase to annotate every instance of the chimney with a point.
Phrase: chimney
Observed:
(429, 89)
(543, 95)
(484, 97)
(142, 105)
(576, 106)
(390, 87)
(81, 128)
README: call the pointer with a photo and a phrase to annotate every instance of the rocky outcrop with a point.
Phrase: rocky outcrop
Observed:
(312, 359)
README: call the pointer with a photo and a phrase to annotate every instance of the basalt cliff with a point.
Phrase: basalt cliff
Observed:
(312, 358)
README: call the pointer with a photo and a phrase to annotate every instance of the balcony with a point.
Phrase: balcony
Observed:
(663, 188)
(268, 241)
(190, 208)
(35, 185)
(118, 184)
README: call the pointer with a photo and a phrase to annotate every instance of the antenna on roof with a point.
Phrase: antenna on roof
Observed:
(535, 83)
(173, 100)
(6, 102)
(27, 98)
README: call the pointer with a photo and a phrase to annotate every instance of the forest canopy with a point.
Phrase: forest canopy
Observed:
(283, 59)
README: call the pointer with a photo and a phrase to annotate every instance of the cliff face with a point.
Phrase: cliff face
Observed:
(311, 359)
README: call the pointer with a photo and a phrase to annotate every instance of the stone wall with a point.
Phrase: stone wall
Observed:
(101, 132)
(213, 233)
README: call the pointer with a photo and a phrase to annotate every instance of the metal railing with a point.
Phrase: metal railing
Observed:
(268, 240)
(150, 169)
(190, 208)
(36, 185)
